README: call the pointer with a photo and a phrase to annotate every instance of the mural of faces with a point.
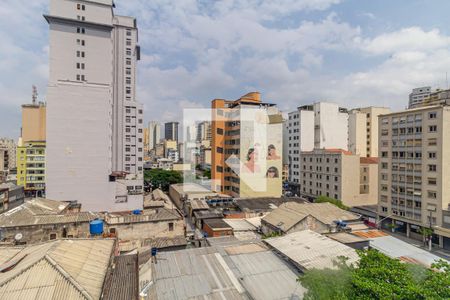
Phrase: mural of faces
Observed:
(272, 172)
(272, 153)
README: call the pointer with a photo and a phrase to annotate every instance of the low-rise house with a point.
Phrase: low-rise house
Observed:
(201, 215)
(41, 219)
(216, 228)
(138, 230)
(231, 271)
(62, 269)
(181, 192)
(11, 196)
(319, 217)
(308, 250)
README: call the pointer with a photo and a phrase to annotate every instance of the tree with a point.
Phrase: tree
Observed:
(338, 203)
(162, 178)
(377, 276)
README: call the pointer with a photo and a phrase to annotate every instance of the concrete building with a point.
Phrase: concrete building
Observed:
(204, 131)
(363, 130)
(418, 95)
(154, 131)
(316, 126)
(31, 166)
(438, 97)
(33, 122)
(11, 196)
(319, 217)
(94, 123)
(246, 147)
(7, 154)
(414, 151)
(171, 131)
(336, 173)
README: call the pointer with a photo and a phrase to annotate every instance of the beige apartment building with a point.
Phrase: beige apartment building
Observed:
(33, 122)
(414, 172)
(341, 175)
(363, 130)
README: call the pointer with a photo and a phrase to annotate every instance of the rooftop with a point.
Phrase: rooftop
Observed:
(310, 250)
(264, 204)
(217, 224)
(216, 273)
(42, 211)
(60, 269)
(290, 213)
(198, 204)
(369, 160)
(346, 238)
(240, 224)
(122, 281)
(160, 214)
(189, 188)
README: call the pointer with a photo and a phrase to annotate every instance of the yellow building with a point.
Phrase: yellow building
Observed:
(31, 167)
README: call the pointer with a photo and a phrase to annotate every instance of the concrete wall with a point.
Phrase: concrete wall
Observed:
(331, 126)
(33, 123)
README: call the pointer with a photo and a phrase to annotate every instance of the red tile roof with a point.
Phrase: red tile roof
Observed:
(368, 160)
(336, 150)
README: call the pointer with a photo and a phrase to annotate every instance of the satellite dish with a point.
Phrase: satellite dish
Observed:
(18, 237)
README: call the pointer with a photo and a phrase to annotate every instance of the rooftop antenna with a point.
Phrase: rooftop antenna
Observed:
(34, 94)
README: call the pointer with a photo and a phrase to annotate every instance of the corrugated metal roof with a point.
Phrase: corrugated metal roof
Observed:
(62, 269)
(211, 273)
(240, 224)
(346, 238)
(397, 248)
(266, 277)
(289, 214)
(310, 250)
(122, 282)
(199, 204)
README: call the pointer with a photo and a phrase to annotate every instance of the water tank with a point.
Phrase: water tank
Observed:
(136, 212)
(96, 227)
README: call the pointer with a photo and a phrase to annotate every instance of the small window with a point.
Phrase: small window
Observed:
(83, 7)
(432, 115)
(170, 226)
(53, 236)
(78, 6)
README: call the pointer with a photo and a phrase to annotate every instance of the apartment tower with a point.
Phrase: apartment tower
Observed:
(171, 131)
(414, 177)
(94, 124)
(154, 132)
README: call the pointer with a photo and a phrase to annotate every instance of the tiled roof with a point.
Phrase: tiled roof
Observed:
(290, 213)
(369, 160)
(161, 214)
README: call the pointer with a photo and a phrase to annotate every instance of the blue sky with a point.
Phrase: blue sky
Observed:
(353, 52)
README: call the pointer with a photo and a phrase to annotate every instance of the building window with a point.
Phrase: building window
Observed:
(128, 42)
(432, 168)
(128, 32)
(219, 169)
(219, 150)
(171, 226)
(432, 115)
(128, 61)
(128, 80)
(53, 236)
(128, 71)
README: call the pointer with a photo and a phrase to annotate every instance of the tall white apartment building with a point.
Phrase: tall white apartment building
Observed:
(94, 124)
(154, 132)
(316, 126)
(363, 130)
(418, 95)
(414, 172)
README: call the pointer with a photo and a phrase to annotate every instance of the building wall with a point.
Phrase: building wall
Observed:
(330, 126)
(146, 230)
(363, 130)
(410, 190)
(31, 167)
(154, 134)
(216, 233)
(9, 153)
(33, 122)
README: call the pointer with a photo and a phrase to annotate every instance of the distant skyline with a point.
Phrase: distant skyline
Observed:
(352, 52)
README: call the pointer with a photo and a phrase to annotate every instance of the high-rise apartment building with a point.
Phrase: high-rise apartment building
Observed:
(8, 147)
(171, 131)
(418, 95)
(203, 131)
(341, 175)
(33, 122)
(246, 147)
(363, 130)
(94, 123)
(414, 173)
(31, 167)
(154, 131)
(316, 126)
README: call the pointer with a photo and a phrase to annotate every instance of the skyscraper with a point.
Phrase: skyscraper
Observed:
(171, 131)
(94, 124)
(154, 131)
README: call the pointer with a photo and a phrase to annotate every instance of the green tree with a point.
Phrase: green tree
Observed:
(162, 178)
(338, 203)
(328, 283)
(377, 276)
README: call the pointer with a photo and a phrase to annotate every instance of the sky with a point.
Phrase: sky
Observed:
(352, 52)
